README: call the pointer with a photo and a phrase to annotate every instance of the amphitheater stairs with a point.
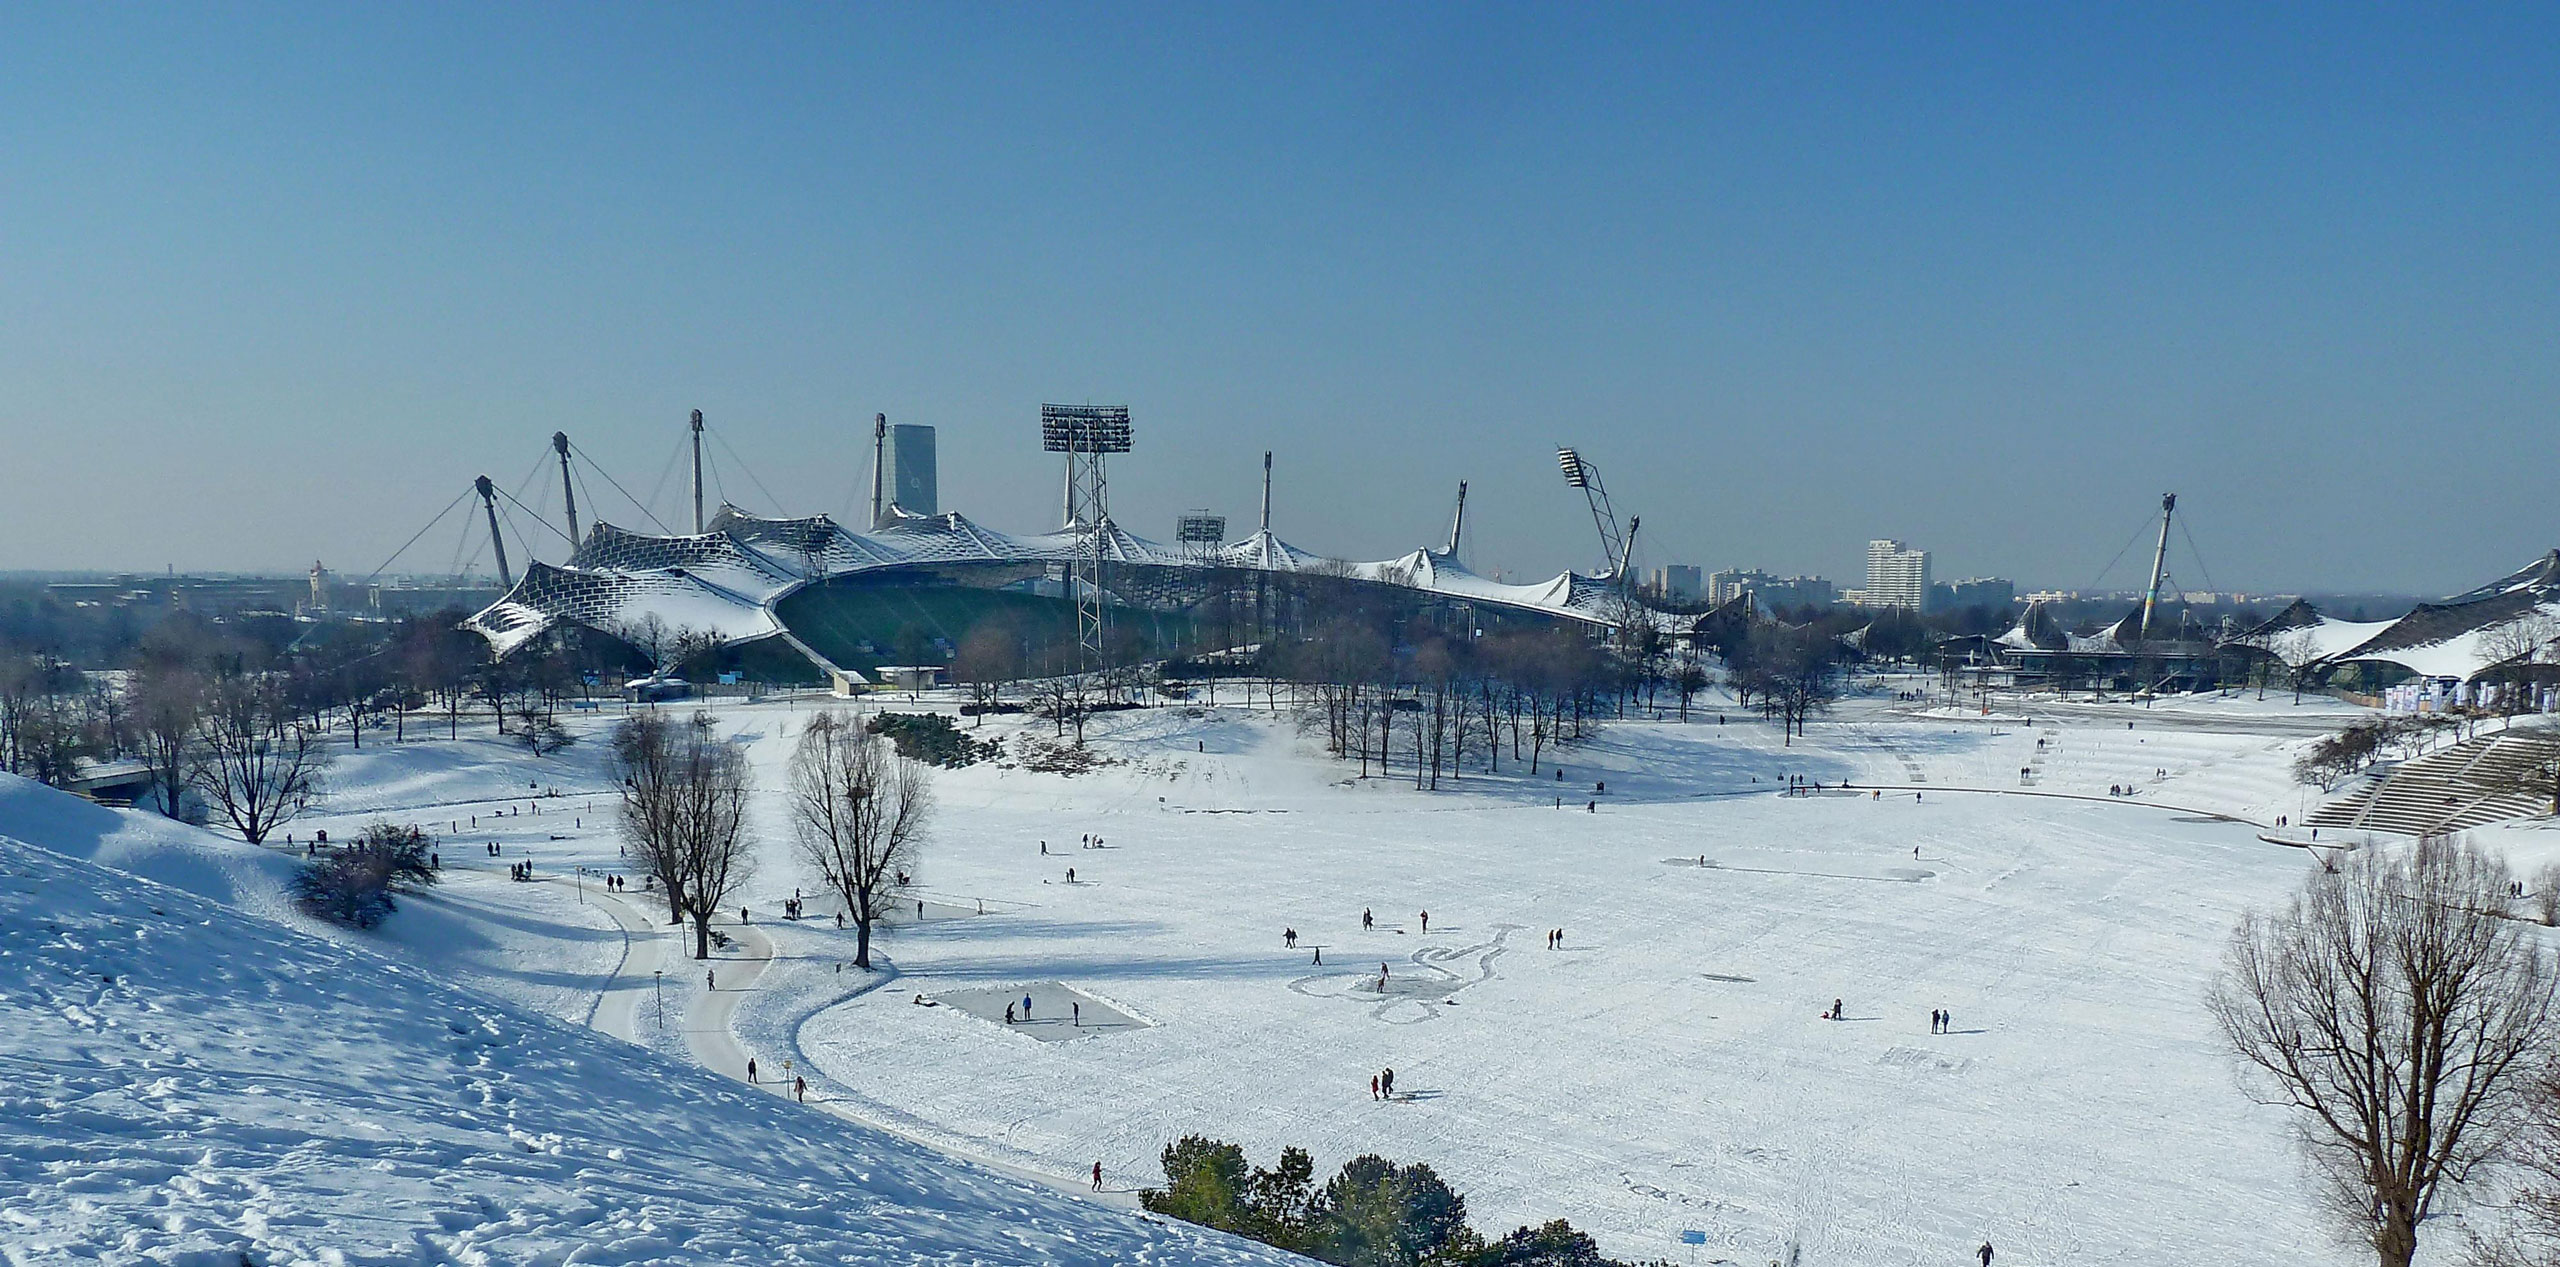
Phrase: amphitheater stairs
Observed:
(2449, 790)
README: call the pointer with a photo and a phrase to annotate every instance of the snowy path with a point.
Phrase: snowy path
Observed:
(711, 1038)
(634, 984)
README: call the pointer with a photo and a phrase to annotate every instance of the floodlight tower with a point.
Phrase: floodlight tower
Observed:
(1458, 522)
(568, 493)
(697, 473)
(1200, 533)
(489, 499)
(2159, 562)
(1087, 434)
(1583, 475)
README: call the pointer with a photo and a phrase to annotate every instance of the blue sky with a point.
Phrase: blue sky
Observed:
(276, 282)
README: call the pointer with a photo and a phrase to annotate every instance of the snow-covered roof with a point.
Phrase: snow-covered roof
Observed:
(2514, 617)
(725, 580)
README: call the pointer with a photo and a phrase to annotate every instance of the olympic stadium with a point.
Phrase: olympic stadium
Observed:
(808, 598)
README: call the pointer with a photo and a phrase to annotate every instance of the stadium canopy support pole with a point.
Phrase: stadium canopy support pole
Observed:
(697, 473)
(879, 451)
(489, 500)
(1458, 522)
(2159, 562)
(568, 491)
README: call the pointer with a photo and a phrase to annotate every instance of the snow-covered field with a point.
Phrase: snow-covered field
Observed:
(191, 1084)
(1666, 1068)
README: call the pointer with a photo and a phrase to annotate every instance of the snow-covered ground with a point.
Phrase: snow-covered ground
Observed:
(188, 1083)
(1665, 1069)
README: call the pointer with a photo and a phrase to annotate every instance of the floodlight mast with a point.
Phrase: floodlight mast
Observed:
(1087, 434)
(1583, 475)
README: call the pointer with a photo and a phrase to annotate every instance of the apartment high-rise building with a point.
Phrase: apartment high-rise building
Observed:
(1678, 582)
(907, 460)
(1772, 591)
(1897, 576)
(1980, 591)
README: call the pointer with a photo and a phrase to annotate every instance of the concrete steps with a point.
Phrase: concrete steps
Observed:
(2448, 790)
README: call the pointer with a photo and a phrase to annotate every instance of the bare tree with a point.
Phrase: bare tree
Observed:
(254, 765)
(859, 810)
(2402, 1017)
(167, 703)
(2530, 1235)
(684, 802)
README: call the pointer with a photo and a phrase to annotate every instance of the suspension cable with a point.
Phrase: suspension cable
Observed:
(413, 537)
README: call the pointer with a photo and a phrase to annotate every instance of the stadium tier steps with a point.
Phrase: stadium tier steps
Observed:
(2459, 787)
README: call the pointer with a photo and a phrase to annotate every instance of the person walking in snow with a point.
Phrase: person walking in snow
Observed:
(1367, 919)
(751, 1068)
(1319, 956)
(1097, 1176)
(800, 1090)
(1008, 1014)
(1373, 1086)
(1071, 875)
(709, 980)
(1426, 921)
(1026, 1005)
(1984, 1253)
(1835, 1009)
(1387, 1084)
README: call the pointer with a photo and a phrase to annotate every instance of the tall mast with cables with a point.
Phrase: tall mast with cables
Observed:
(1266, 490)
(698, 520)
(568, 492)
(1458, 522)
(879, 450)
(2159, 563)
(489, 499)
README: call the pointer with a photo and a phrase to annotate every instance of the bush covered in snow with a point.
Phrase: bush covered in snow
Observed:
(933, 739)
(353, 884)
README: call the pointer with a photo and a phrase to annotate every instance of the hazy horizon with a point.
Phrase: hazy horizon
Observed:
(281, 282)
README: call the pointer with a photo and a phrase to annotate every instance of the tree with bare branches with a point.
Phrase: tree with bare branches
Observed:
(684, 801)
(254, 763)
(859, 810)
(167, 703)
(2402, 1018)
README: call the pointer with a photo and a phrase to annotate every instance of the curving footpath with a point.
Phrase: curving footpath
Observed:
(712, 1042)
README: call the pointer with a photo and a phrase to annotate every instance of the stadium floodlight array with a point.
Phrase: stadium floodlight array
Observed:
(1573, 472)
(1084, 428)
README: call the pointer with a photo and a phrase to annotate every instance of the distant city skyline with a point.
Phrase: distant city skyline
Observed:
(282, 282)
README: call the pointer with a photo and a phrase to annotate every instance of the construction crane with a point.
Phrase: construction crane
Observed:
(1581, 474)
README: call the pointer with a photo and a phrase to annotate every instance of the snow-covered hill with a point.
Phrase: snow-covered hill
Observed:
(187, 1082)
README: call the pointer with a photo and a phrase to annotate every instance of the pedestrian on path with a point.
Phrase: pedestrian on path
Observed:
(1984, 1253)
(1373, 1086)
(751, 1068)
(1097, 1176)
(1075, 1010)
(1426, 921)
(1026, 1005)
(1319, 956)
(800, 1090)
(710, 980)
(1367, 920)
